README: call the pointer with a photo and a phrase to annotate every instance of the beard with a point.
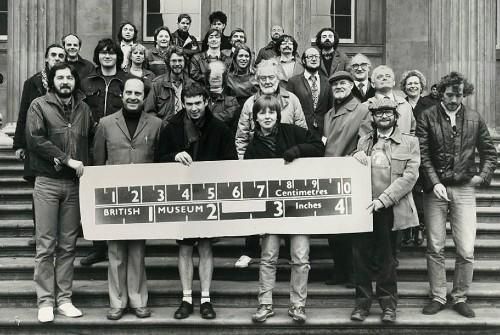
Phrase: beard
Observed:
(326, 45)
(64, 95)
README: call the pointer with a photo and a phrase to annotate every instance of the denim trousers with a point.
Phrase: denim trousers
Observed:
(299, 252)
(376, 248)
(57, 226)
(462, 214)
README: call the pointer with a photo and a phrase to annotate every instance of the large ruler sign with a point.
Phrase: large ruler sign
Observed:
(225, 198)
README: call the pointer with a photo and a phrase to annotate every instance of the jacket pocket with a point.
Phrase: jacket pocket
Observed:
(398, 163)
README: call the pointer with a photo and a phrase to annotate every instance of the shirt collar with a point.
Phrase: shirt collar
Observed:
(308, 75)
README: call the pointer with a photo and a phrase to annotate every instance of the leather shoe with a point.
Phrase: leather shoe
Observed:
(463, 309)
(184, 310)
(389, 315)
(433, 307)
(207, 311)
(92, 258)
(115, 313)
(359, 314)
(141, 312)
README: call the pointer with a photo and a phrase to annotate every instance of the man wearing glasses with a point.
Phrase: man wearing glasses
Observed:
(291, 110)
(360, 67)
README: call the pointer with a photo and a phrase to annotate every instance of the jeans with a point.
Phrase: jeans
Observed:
(462, 213)
(299, 251)
(376, 247)
(57, 226)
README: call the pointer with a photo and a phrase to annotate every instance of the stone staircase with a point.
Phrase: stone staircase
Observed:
(234, 291)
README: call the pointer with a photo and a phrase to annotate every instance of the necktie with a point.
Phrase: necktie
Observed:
(361, 87)
(315, 91)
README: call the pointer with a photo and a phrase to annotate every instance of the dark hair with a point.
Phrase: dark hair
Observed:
(281, 40)
(119, 35)
(109, 45)
(336, 37)
(218, 16)
(455, 79)
(61, 66)
(53, 45)
(194, 91)
(157, 32)
(71, 34)
(264, 102)
(184, 16)
(179, 51)
(434, 86)
(303, 58)
(205, 39)
(238, 30)
(233, 67)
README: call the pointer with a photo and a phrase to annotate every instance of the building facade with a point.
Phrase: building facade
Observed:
(434, 36)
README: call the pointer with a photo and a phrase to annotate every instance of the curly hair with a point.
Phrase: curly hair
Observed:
(139, 47)
(282, 39)
(61, 66)
(455, 79)
(217, 16)
(412, 73)
(336, 37)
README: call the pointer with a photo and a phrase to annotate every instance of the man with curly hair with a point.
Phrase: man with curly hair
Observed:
(449, 135)
(332, 60)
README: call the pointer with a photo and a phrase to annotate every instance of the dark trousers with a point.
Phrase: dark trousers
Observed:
(376, 247)
(341, 249)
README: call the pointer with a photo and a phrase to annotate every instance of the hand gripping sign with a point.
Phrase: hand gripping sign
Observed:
(225, 198)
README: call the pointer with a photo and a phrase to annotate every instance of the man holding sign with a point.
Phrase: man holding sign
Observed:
(129, 136)
(194, 134)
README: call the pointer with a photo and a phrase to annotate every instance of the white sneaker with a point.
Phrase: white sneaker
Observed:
(46, 314)
(69, 310)
(243, 262)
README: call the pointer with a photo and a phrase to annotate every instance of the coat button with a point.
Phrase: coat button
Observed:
(69, 125)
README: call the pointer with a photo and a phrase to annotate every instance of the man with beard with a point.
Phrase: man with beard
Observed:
(72, 44)
(450, 135)
(360, 67)
(395, 159)
(344, 124)
(288, 59)
(164, 99)
(54, 120)
(34, 87)
(129, 136)
(195, 135)
(291, 110)
(332, 59)
(127, 35)
(313, 91)
(183, 39)
(103, 90)
(383, 81)
(218, 21)
(268, 52)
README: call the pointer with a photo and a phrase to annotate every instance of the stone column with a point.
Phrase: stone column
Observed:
(33, 25)
(462, 38)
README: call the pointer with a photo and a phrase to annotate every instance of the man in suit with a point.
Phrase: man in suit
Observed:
(360, 67)
(313, 91)
(332, 59)
(128, 136)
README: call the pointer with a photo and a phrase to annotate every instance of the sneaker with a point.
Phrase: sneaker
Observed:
(263, 312)
(433, 307)
(298, 313)
(242, 262)
(388, 315)
(69, 310)
(463, 309)
(359, 314)
(46, 314)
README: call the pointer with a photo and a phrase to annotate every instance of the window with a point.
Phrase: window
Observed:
(3, 20)
(338, 14)
(159, 13)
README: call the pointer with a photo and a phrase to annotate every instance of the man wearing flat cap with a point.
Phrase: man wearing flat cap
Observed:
(395, 159)
(344, 124)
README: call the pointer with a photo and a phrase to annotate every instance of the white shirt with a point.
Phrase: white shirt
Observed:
(308, 76)
(365, 87)
(452, 115)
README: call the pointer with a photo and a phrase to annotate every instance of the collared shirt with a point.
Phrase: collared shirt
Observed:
(211, 55)
(308, 76)
(365, 85)
(452, 114)
(126, 48)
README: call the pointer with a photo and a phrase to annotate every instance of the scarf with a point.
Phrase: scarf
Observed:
(192, 131)
(269, 141)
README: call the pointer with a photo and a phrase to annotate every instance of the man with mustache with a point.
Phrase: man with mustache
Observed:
(268, 52)
(313, 91)
(57, 119)
(332, 59)
(289, 64)
(103, 90)
(164, 99)
(449, 135)
(129, 136)
(72, 44)
(345, 123)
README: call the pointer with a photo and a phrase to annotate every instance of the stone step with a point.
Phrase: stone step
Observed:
(410, 269)
(22, 194)
(12, 182)
(238, 321)
(488, 214)
(237, 294)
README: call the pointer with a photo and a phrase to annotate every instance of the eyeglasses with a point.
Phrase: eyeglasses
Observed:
(263, 79)
(363, 66)
(311, 57)
(385, 112)
(106, 52)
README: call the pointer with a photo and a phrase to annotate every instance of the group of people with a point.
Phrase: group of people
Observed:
(185, 101)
